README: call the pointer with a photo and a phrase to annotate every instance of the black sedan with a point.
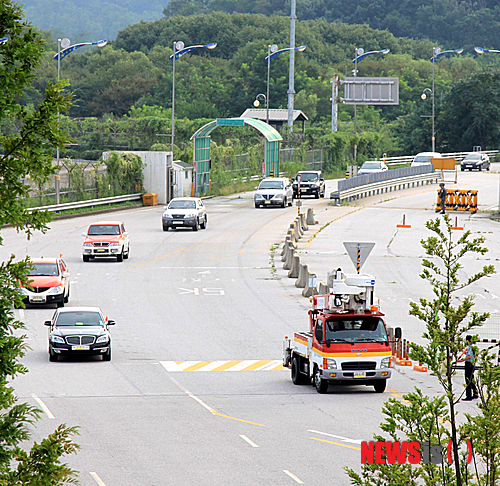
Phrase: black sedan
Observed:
(475, 160)
(79, 331)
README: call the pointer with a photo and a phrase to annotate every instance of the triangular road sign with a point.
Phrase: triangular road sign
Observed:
(358, 252)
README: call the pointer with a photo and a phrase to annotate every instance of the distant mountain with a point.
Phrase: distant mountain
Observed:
(91, 20)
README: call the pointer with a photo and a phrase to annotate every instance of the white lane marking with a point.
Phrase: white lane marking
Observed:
(252, 443)
(97, 479)
(21, 314)
(494, 296)
(344, 439)
(295, 478)
(43, 406)
(194, 397)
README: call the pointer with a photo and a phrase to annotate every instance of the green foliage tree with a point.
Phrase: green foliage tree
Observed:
(27, 151)
(125, 174)
(422, 417)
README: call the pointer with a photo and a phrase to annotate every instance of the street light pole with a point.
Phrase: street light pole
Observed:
(180, 50)
(291, 75)
(66, 49)
(272, 53)
(436, 54)
(360, 54)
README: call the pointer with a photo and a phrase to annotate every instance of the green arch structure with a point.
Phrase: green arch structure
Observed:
(201, 152)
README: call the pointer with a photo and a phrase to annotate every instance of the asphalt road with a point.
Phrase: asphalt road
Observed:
(213, 297)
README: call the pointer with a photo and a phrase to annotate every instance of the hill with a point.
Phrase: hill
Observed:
(92, 20)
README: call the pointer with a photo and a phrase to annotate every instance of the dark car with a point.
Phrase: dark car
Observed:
(475, 160)
(79, 331)
(311, 184)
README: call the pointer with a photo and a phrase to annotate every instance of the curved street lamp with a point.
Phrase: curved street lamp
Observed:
(436, 54)
(360, 54)
(272, 53)
(66, 49)
(482, 50)
(180, 50)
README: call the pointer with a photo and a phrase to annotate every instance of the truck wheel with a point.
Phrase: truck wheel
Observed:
(380, 386)
(320, 384)
(297, 377)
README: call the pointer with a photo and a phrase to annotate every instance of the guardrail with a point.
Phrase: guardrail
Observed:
(89, 203)
(378, 183)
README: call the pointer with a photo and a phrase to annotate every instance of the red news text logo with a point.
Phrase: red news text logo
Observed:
(407, 452)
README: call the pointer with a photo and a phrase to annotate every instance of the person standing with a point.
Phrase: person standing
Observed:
(442, 198)
(468, 358)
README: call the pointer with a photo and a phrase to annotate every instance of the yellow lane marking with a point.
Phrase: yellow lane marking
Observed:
(210, 409)
(226, 366)
(336, 443)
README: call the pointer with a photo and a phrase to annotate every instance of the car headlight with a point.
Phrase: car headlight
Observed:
(87, 245)
(330, 364)
(102, 339)
(57, 339)
(386, 362)
(259, 196)
(315, 185)
(190, 215)
(167, 216)
(278, 196)
(24, 291)
(114, 244)
(56, 290)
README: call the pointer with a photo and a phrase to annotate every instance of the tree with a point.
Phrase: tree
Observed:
(25, 152)
(421, 419)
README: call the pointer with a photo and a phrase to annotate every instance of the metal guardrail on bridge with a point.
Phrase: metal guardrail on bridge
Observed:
(380, 182)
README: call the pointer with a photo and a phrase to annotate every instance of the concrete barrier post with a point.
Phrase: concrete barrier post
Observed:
(323, 288)
(288, 247)
(294, 271)
(310, 217)
(283, 250)
(303, 275)
(303, 221)
(310, 288)
(288, 262)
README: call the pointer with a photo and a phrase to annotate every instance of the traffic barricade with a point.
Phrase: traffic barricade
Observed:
(459, 200)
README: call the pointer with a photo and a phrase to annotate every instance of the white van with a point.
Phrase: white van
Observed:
(424, 158)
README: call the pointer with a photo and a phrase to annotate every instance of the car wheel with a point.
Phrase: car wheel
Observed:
(52, 356)
(488, 168)
(297, 377)
(257, 205)
(165, 228)
(462, 169)
(86, 258)
(126, 255)
(119, 257)
(284, 203)
(66, 299)
(196, 226)
(380, 386)
(61, 304)
(480, 169)
(107, 355)
(320, 384)
(204, 224)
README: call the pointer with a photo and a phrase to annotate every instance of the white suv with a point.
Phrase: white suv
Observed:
(424, 158)
(275, 191)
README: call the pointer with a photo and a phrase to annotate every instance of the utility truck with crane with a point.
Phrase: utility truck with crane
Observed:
(347, 342)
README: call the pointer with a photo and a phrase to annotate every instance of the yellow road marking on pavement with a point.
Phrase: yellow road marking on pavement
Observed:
(210, 409)
(256, 365)
(226, 366)
(197, 366)
(335, 443)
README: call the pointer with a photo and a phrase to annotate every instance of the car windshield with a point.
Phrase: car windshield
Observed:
(271, 185)
(423, 159)
(308, 177)
(104, 229)
(182, 205)
(371, 165)
(79, 318)
(367, 329)
(473, 157)
(44, 270)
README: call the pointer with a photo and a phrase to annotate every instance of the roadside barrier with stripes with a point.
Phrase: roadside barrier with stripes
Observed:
(460, 200)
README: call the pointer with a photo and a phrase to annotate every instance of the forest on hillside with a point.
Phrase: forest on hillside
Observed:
(123, 91)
